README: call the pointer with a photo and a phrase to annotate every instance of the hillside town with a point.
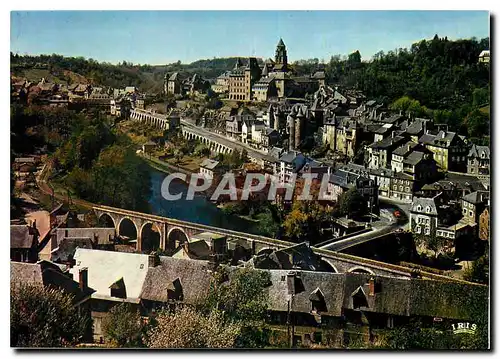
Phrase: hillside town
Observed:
(405, 212)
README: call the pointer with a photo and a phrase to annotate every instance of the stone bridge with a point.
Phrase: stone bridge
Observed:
(171, 233)
(214, 145)
(154, 119)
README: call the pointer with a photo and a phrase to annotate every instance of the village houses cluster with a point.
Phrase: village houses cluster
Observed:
(302, 125)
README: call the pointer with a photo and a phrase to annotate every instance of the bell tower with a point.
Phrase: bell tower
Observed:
(280, 57)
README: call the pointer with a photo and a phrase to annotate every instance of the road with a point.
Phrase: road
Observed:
(382, 227)
(231, 143)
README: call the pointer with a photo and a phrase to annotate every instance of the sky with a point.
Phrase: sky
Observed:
(161, 37)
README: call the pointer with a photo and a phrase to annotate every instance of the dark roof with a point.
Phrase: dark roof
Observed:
(22, 236)
(392, 119)
(414, 158)
(388, 142)
(476, 197)
(67, 247)
(45, 274)
(417, 126)
(405, 149)
(193, 276)
(426, 205)
(479, 152)
(427, 139)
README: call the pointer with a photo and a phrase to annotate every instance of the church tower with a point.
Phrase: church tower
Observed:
(281, 58)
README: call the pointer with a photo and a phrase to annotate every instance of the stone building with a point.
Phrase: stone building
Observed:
(450, 150)
(173, 84)
(478, 161)
(242, 78)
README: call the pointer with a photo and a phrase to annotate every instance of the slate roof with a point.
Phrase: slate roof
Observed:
(290, 156)
(424, 203)
(405, 149)
(25, 273)
(387, 142)
(417, 126)
(427, 139)
(21, 236)
(476, 197)
(330, 284)
(45, 274)
(392, 119)
(476, 151)
(67, 247)
(414, 158)
(442, 139)
(193, 275)
(195, 250)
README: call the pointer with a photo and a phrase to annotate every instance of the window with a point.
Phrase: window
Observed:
(465, 210)
(428, 209)
(407, 189)
(419, 208)
(470, 213)
(427, 231)
(417, 228)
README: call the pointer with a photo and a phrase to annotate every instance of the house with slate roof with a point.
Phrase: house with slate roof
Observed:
(449, 149)
(24, 243)
(478, 161)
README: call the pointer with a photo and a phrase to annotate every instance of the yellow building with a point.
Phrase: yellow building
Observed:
(449, 149)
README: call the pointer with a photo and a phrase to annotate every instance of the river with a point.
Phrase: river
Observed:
(198, 210)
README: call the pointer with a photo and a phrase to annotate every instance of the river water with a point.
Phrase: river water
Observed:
(198, 210)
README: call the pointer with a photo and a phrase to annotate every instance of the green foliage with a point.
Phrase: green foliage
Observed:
(304, 221)
(202, 150)
(244, 300)
(123, 326)
(479, 271)
(415, 336)
(188, 328)
(352, 203)
(43, 317)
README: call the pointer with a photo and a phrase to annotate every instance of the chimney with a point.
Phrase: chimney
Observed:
(371, 286)
(83, 279)
(290, 280)
(443, 134)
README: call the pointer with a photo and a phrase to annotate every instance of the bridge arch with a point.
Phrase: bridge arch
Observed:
(328, 264)
(104, 220)
(265, 250)
(127, 227)
(150, 237)
(359, 269)
(176, 236)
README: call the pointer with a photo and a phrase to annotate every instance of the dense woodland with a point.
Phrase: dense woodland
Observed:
(91, 158)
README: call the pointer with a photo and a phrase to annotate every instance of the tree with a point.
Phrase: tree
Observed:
(45, 317)
(189, 328)
(352, 203)
(123, 326)
(479, 271)
(242, 296)
(435, 243)
(304, 221)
